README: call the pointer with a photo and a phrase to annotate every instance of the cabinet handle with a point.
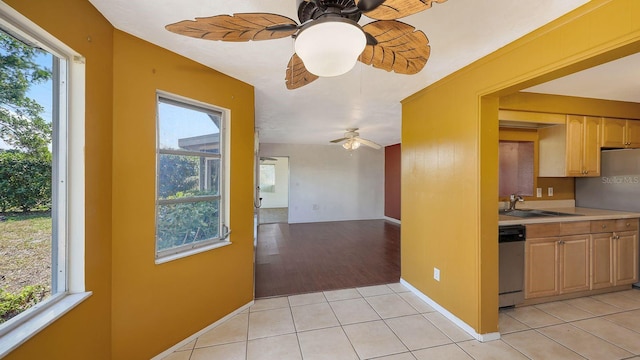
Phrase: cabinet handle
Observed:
(628, 224)
(561, 242)
(604, 226)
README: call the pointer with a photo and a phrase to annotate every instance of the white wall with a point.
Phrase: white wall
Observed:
(329, 183)
(280, 197)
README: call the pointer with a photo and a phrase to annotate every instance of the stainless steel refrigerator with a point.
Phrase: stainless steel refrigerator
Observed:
(617, 188)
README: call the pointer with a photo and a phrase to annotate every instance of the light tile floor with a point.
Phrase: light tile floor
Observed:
(389, 322)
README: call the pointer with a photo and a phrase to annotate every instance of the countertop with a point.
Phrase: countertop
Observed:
(587, 215)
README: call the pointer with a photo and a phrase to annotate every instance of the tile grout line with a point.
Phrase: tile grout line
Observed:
(295, 328)
(555, 341)
(603, 339)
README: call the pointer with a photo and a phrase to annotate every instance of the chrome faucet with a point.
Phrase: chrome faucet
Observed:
(513, 199)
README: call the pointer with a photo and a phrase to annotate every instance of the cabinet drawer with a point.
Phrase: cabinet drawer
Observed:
(558, 229)
(602, 226)
(543, 230)
(575, 228)
(626, 224)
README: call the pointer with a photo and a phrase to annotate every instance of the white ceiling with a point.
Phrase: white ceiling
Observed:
(460, 32)
(615, 80)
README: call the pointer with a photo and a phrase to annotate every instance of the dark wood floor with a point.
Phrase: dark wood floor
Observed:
(303, 258)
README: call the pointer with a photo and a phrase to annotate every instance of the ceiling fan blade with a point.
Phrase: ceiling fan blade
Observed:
(235, 28)
(400, 47)
(298, 75)
(395, 9)
(339, 140)
(369, 143)
(368, 5)
(283, 27)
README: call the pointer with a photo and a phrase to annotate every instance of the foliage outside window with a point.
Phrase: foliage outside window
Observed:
(189, 211)
(26, 127)
(42, 132)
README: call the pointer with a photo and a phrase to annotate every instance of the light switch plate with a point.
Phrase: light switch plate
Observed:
(436, 274)
(550, 191)
(538, 192)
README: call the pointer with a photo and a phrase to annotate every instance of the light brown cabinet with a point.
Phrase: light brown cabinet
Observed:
(557, 258)
(625, 263)
(572, 149)
(620, 133)
(614, 253)
(566, 257)
(559, 265)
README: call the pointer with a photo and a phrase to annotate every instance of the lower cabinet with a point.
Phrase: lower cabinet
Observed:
(604, 255)
(602, 261)
(614, 254)
(556, 265)
(625, 264)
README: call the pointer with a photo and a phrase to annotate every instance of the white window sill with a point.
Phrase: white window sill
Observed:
(35, 319)
(193, 251)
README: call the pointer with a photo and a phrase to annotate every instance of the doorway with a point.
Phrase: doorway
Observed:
(274, 190)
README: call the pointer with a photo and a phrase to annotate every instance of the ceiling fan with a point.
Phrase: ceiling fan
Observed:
(328, 40)
(354, 140)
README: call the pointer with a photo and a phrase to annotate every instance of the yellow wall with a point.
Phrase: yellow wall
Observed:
(139, 309)
(158, 305)
(450, 146)
(85, 332)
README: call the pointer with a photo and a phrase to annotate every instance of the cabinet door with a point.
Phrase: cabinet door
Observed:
(591, 150)
(601, 261)
(633, 133)
(574, 145)
(613, 133)
(625, 260)
(541, 270)
(574, 263)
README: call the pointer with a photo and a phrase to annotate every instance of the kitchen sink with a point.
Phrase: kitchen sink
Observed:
(531, 213)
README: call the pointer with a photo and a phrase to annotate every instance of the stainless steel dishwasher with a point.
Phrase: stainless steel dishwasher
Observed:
(511, 240)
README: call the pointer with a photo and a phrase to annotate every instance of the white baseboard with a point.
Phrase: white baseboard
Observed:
(470, 330)
(184, 342)
(392, 220)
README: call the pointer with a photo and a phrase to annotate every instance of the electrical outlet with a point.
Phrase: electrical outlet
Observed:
(538, 192)
(436, 274)
(550, 191)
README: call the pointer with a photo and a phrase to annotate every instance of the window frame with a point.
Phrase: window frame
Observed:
(224, 239)
(68, 167)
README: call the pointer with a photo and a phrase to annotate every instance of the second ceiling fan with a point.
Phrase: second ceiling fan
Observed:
(328, 40)
(353, 140)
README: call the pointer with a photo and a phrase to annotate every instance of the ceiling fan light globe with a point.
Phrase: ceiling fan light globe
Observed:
(330, 47)
(355, 144)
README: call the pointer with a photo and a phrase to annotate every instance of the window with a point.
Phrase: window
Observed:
(52, 135)
(516, 159)
(267, 177)
(190, 207)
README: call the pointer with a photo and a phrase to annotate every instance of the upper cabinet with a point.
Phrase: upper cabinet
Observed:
(620, 133)
(572, 149)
